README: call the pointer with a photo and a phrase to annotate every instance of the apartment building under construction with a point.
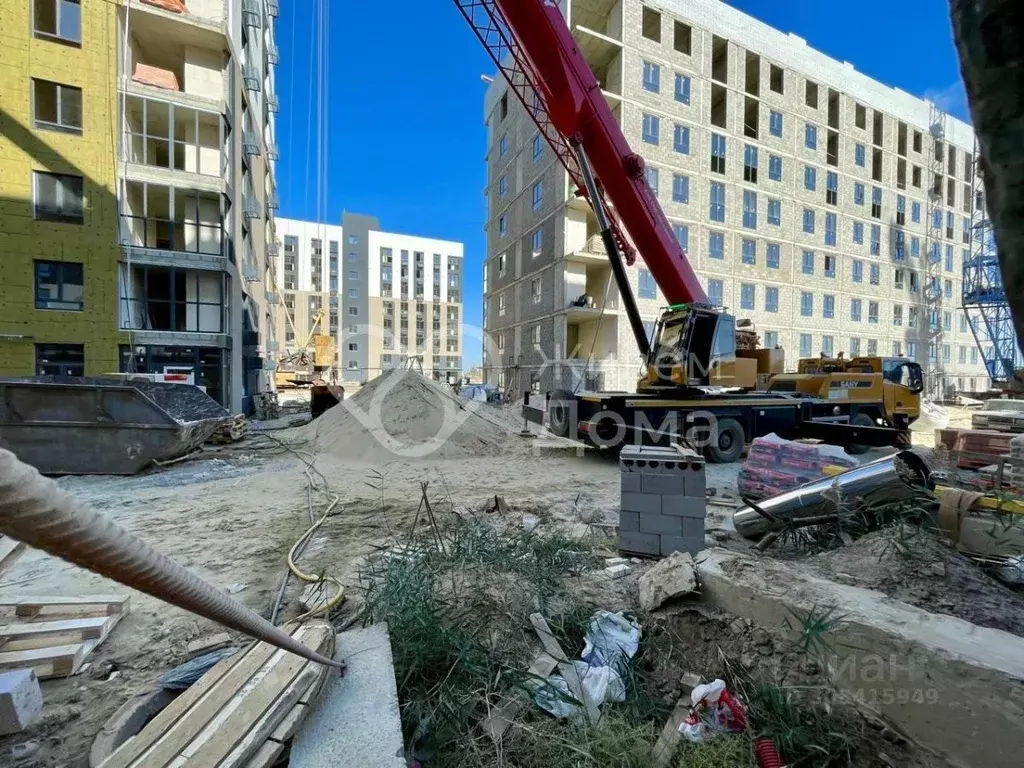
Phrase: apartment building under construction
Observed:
(831, 209)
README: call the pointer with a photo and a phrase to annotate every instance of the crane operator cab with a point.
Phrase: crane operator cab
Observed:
(694, 345)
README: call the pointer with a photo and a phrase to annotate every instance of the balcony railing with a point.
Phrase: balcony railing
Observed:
(273, 104)
(174, 316)
(168, 235)
(250, 273)
(250, 207)
(272, 152)
(252, 13)
(177, 155)
(273, 250)
(251, 143)
(273, 56)
(273, 202)
(273, 9)
(252, 78)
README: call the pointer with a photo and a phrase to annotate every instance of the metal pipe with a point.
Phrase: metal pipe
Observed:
(891, 478)
(35, 510)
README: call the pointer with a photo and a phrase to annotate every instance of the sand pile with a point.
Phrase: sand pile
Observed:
(402, 415)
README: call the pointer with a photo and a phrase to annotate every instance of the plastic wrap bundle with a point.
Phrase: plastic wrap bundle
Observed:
(774, 465)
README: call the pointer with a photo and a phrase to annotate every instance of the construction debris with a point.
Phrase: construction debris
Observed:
(21, 700)
(670, 578)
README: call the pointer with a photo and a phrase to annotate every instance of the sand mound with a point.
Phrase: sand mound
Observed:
(402, 415)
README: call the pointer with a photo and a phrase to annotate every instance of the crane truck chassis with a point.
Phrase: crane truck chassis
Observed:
(718, 425)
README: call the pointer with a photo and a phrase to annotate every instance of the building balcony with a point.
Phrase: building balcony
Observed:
(172, 305)
(273, 250)
(273, 55)
(203, 19)
(273, 153)
(251, 208)
(251, 144)
(273, 9)
(196, 244)
(591, 252)
(250, 273)
(273, 104)
(273, 202)
(161, 137)
(252, 78)
(252, 13)
(273, 297)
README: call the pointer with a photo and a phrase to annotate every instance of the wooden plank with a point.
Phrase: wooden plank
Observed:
(241, 728)
(670, 737)
(569, 672)
(169, 718)
(45, 606)
(43, 634)
(508, 707)
(10, 550)
(55, 661)
(267, 755)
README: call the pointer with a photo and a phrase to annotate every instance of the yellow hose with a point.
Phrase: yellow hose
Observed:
(313, 578)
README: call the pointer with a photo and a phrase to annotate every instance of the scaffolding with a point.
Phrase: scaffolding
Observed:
(984, 297)
(935, 372)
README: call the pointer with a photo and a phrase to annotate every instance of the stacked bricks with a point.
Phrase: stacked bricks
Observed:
(663, 501)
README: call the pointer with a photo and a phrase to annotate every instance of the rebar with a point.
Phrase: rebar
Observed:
(35, 510)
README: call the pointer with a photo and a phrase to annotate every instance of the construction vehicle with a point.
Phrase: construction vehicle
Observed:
(696, 385)
(311, 361)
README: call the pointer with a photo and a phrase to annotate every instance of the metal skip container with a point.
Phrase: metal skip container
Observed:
(891, 478)
(102, 426)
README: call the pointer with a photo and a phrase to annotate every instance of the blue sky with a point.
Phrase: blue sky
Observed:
(406, 139)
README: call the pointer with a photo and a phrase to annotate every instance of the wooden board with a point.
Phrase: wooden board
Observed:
(10, 550)
(569, 672)
(55, 661)
(230, 717)
(66, 607)
(42, 634)
(508, 707)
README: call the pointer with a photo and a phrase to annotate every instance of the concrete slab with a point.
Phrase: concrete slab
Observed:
(952, 686)
(356, 719)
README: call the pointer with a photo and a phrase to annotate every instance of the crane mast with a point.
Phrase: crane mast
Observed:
(533, 48)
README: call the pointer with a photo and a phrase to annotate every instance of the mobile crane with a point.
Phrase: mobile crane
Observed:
(696, 384)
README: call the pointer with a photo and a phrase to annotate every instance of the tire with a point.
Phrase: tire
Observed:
(728, 442)
(560, 413)
(860, 420)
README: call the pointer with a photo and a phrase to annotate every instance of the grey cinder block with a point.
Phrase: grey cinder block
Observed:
(684, 506)
(664, 483)
(629, 522)
(640, 543)
(696, 482)
(670, 544)
(631, 482)
(693, 527)
(664, 525)
(21, 700)
(641, 502)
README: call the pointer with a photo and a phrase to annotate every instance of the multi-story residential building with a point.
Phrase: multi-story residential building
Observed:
(388, 297)
(143, 155)
(832, 210)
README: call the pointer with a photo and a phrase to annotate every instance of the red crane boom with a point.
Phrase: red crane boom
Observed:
(532, 46)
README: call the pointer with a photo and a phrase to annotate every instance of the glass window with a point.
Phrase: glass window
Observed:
(680, 188)
(775, 212)
(749, 209)
(771, 301)
(651, 174)
(746, 296)
(805, 345)
(682, 233)
(876, 240)
(806, 303)
(808, 262)
(682, 89)
(60, 360)
(538, 148)
(858, 271)
(537, 194)
(750, 163)
(859, 154)
(827, 346)
(774, 167)
(915, 212)
(60, 19)
(681, 139)
(717, 193)
(503, 187)
(828, 306)
(648, 288)
(716, 245)
(715, 292)
(772, 255)
(58, 198)
(858, 194)
(810, 177)
(537, 242)
(503, 146)
(876, 273)
(855, 310)
(652, 77)
(830, 229)
(832, 188)
(718, 147)
(56, 107)
(811, 136)
(59, 285)
(775, 123)
(858, 232)
(651, 129)
(749, 251)
(809, 221)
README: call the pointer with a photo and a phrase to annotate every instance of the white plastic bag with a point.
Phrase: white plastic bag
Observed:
(610, 640)
(600, 684)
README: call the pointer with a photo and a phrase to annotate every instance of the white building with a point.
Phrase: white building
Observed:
(831, 209)
(387, 296)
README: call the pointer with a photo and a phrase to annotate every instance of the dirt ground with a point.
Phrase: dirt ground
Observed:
(231, 516)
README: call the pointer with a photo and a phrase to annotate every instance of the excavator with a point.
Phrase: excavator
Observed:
(697, 386)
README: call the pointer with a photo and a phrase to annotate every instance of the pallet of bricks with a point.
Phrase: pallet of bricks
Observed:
(663, 501)
(52, 636)
(974, 448)
(774, 465)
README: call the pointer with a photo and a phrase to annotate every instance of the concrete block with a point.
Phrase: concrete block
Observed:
(629, 522)
(696, 483)
(670, 544)
(641, 502)
(663, 525)
(21, 700)
(912, 666)
(671, 484)
(684, 506)
(640, 543)
(693, 527)
(631, 482)
(357, 714)
(617, 571)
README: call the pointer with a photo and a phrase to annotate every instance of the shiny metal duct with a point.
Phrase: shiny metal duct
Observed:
(35, 510)
(891, 478)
